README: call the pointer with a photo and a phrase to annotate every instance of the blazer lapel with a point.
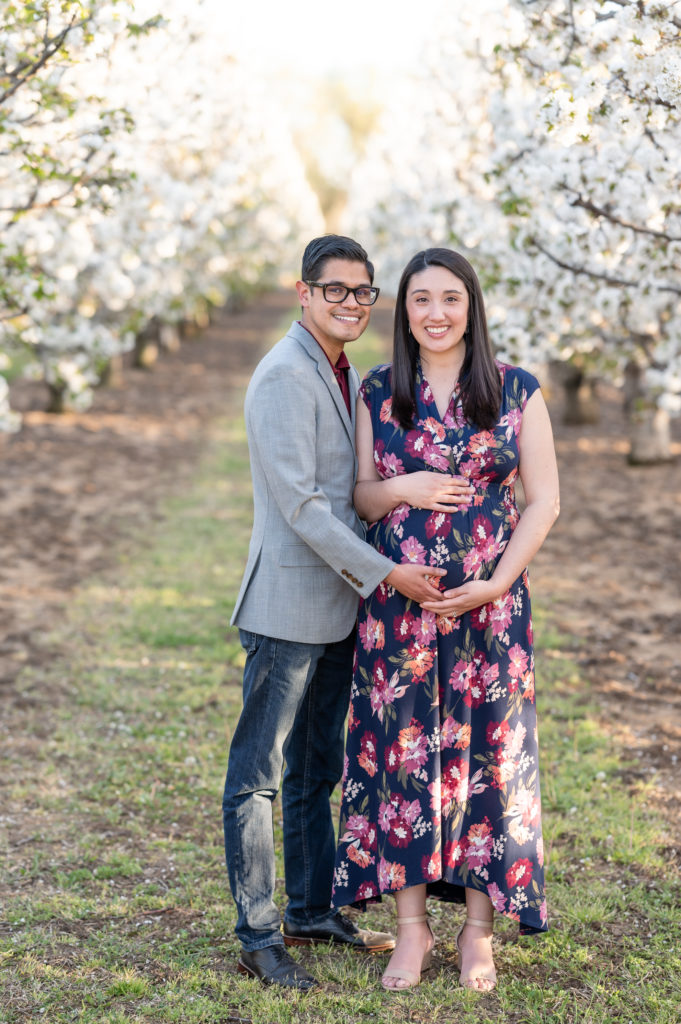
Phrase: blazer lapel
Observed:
(316, 352)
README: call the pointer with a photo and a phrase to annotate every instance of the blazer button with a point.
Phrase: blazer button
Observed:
(360, 584)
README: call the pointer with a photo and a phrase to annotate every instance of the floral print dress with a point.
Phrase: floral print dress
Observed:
(441, 779)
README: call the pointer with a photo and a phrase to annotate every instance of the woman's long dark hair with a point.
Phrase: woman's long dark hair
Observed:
(479, 379)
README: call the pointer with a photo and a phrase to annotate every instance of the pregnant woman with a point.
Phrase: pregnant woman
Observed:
(441, 785)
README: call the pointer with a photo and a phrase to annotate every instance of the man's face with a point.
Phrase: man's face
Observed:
(335, 323)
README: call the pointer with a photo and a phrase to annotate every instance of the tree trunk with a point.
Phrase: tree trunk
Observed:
(581, 401)
(145, 352)
(649, 432)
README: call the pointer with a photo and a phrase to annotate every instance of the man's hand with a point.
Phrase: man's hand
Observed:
(414, 581)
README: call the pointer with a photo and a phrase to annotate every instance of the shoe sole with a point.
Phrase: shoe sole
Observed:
(294, 940)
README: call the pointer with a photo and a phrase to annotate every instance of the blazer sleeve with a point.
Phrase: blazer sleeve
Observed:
(285, 443)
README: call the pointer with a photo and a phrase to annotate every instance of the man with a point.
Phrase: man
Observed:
(307, 566)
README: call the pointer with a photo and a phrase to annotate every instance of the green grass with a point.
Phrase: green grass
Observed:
(115, 903)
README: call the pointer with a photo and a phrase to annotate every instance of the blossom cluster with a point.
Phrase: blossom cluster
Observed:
(142, 178)
(545, 143)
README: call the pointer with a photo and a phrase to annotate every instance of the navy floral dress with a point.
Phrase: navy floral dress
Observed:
(441, 779)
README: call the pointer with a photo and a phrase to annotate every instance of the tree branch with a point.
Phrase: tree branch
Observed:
(598, 211)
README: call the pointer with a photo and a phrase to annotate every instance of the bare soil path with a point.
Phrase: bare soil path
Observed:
(610, 573)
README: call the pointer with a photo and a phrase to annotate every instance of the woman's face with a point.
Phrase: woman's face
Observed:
(437, 310)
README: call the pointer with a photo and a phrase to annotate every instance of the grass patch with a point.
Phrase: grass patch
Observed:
(115, 901)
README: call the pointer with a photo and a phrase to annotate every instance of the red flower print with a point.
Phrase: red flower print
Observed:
(391, 756)
(401, 834)
(415, 443)
(520, 873)
(402, 626)
(454, 853)
(518, 661)
(391, 876)
(431, 866)
(454, 782)
(496, 732)
(367, 757)
(480, 617)
(482, 528)
(438, 524)
(413, 551)
(381, 592)
(479, 844)
(366, 891)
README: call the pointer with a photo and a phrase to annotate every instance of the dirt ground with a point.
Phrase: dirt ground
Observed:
(610, 570)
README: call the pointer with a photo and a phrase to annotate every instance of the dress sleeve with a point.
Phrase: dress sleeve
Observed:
(519, 385)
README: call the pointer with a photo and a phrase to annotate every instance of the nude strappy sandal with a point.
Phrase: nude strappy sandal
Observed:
(483, 975)
(411, 977)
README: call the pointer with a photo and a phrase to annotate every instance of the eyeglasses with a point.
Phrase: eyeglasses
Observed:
(339, 292)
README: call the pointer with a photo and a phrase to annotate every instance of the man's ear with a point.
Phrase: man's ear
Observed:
(303, 293)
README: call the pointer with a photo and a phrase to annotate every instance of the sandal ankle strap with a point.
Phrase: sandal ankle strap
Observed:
(412, 920)
(480, 923)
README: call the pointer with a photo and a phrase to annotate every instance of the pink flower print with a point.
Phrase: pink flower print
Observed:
(500, 613)
(525, 806)
(431, 866)
(356, 827)
(520, 873)
(398, 515)
(372, 633)
(392, 466)
(413, 551)
(424, 629)
(513, 743)
(402, 626)
(387, 814)
(473, 562)
(383, 692)
(540, 851)
(497, 897)
(511, 421)
(391, 876)
(518, 661)
(479, 844)
(454, 734)
(433, 456)
(410, 810)
(454, 853)
(413, 747)
(462, 676)
(543, 912)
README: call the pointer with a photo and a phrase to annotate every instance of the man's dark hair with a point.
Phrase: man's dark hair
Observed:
(332, 247)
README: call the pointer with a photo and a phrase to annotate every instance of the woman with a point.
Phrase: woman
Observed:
(441, 790)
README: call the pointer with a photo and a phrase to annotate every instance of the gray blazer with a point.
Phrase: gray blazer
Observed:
(308, 561)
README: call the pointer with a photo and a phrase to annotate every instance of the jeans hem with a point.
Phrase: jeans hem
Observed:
(273, 940)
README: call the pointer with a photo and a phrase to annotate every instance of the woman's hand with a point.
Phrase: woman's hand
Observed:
(437, 491)
(464, 598)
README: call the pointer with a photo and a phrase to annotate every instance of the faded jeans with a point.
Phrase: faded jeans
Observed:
(296, 698)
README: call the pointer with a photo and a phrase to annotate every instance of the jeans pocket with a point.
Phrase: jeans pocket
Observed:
(250, 641)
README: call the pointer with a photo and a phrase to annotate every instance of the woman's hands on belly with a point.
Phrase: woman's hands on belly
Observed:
(462, 599)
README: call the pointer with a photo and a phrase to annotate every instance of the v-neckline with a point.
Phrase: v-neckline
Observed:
(424, 380)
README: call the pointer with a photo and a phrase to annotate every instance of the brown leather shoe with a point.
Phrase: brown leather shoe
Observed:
(338, 929)
(273, 965)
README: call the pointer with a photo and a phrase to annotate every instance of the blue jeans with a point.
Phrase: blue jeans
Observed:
(295, 701)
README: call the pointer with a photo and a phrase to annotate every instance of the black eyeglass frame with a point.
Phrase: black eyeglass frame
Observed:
(336, 284)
